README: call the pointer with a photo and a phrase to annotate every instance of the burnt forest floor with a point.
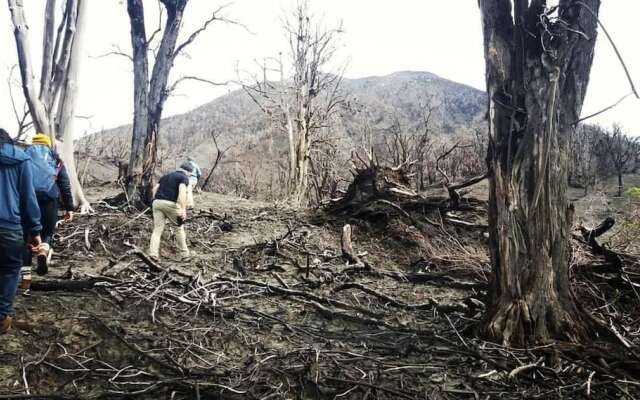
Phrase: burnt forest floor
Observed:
(268, 308)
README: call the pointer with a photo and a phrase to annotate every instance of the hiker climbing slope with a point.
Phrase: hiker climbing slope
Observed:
(170, 203)
(19, 218)
(51, 183)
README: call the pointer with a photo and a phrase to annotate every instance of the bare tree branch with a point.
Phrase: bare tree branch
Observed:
(220, 153)
(613, 44)
(116, 52)
(159, 28)
(175, 84)
(623, 98)
(21, 120)
(214, 17)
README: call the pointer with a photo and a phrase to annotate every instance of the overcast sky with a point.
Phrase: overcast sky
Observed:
(380, 37)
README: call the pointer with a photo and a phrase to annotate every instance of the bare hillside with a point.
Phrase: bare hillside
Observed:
(378, 99)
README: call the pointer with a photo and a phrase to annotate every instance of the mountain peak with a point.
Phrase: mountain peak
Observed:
(398, 96)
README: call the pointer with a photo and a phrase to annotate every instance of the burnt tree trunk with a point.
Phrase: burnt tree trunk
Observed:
(135, 10)
(301, 179)
(158, 90)
(306, 103)
(150, 94)
(537, 71)
(620, 184)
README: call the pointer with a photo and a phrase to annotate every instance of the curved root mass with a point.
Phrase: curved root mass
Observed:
(522, 324)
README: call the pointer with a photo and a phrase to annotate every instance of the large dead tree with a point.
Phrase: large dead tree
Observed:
(152, 90)
(51, 104)
(414, 147)
(620, 150)
(583, 153)
(538, 61)
(304, 104)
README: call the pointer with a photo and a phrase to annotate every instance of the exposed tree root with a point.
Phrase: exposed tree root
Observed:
(518, 324)
(440, 279)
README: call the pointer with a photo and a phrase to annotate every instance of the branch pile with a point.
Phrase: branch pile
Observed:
(299, 315)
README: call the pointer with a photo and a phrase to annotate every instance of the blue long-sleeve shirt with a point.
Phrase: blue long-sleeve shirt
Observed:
(18, 204)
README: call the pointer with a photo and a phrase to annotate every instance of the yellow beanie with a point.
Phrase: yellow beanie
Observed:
(41, 138)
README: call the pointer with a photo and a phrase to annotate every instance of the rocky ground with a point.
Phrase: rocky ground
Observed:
(271, 308)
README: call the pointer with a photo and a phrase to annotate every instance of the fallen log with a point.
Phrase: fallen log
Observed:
(453, 189)
(615, 262)
(606, 268)
(590, 236)
(373, 182)
(465, 224)
(54, 285)
(153, 265)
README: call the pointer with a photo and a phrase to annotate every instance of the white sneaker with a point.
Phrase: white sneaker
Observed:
(44, 259)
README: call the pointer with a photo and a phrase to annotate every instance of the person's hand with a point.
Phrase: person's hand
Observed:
(36, 241)
(68, 216)
(182, 216)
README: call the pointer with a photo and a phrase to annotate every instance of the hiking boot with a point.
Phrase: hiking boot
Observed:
(25, 278)
(5, 324)
(45, 252)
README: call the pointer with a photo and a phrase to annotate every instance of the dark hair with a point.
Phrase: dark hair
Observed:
(187, 166)
(5, 137)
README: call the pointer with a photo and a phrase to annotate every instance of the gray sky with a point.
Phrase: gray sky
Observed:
(381, 37)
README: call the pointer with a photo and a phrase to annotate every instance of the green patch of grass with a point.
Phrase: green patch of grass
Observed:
(633, 193)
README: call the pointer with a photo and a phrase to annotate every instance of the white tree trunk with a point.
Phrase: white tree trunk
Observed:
(52, 108)
(21, 36)
(67, 111)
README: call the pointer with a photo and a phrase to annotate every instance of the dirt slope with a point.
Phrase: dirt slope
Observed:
(267, 308)
(75, 341)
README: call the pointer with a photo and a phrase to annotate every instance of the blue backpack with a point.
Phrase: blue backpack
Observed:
(45, 168)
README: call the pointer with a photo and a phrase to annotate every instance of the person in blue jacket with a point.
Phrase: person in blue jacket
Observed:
(19, 215)
(51, 184)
